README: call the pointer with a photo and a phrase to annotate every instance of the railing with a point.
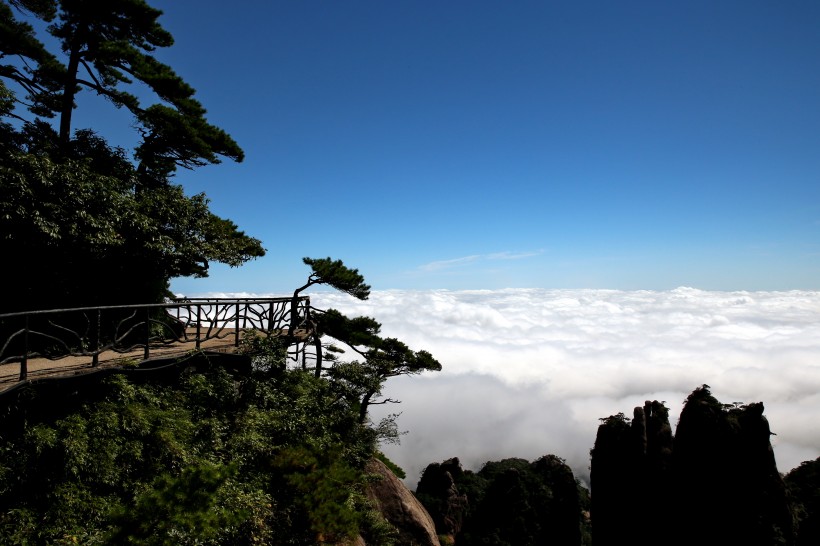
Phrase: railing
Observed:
(91, 331)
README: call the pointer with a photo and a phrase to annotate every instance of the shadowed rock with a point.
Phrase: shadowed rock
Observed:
(804, 487)
(630, 476)
(717, 483)
(446, 505)
(508, 502)
(726, 478)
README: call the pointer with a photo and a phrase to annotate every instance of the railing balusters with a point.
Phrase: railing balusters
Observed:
(55, 333)
(95, 341)
(236, 339)
(147, 332)
(198, 325)
(24, 361)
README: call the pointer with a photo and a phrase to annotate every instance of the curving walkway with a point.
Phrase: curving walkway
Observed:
(73, 365)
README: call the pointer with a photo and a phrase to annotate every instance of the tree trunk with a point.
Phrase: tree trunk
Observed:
(69, 92)
(294, 308)
(317, 343)
(365, 403)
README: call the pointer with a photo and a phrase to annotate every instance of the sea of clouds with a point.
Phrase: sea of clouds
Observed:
(528, 372)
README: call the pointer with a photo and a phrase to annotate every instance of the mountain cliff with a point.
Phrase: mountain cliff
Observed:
(510, 502)
(715, 482)
(400, 508)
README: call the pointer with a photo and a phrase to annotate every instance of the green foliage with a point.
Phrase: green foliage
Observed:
(177, 509)
(387, 430)
(394, 468)
(267, 353)
(107, 52)
(273, 457)
(703, 394)
(617, 420)
(363, 382)
(85, 223)
(334, 273)
(373, 528)
(355, 331)
(77, 234)
(359, 382)
(324, 483)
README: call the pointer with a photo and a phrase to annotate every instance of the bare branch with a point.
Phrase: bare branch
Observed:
(90, 73)
(385, 401)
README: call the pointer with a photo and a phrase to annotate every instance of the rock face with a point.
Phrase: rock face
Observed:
(630, 477)
(804, 485)
(400, 507)
(508, 502)
(726, 477)
(442, 498)
(719, 485)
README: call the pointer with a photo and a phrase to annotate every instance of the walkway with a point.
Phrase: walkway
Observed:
(208, 324)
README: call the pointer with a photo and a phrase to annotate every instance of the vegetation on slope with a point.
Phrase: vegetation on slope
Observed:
(209, 456)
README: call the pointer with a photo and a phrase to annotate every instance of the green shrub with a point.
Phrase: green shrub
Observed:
(207, 457)
(394, 468)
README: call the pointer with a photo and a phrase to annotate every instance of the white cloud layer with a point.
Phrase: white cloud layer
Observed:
(529, 371)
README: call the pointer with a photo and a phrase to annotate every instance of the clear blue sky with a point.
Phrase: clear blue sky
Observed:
(490, 144)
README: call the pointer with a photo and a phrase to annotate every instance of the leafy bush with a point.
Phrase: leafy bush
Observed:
(208, 457)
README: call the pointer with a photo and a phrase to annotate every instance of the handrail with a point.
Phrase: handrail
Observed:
(91, 331)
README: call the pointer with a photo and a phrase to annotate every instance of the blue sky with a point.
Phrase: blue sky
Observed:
(488, 144)
(481, 145)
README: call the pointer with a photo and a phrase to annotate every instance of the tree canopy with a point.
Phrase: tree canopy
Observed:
(334, 273)
(381, 358)
(84, 221)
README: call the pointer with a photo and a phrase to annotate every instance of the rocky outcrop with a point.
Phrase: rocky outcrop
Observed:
(441, 497)
(630, 477)
(725, 476)
(512, 501)
(804, 486)
(716, 483)
(400, 507)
